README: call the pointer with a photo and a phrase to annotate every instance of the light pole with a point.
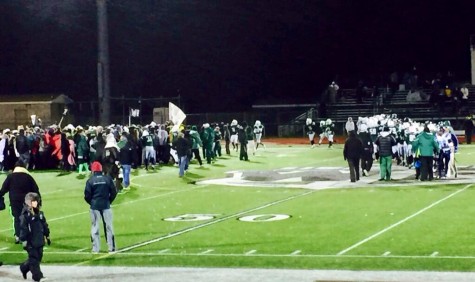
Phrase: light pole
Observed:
(103, 80)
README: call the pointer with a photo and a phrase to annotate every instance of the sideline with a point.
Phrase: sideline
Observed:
(402, 221)
(10, 273)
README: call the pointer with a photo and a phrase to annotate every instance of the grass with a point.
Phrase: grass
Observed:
(380, 227)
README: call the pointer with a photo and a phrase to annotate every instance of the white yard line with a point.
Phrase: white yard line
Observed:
(121, 204)
(255, 254)
(199, 226)
(402, 221)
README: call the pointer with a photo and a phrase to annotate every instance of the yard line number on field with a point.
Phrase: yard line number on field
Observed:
(193, 228)
(402, 221)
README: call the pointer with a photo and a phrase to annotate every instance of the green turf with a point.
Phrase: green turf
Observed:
(404, 227)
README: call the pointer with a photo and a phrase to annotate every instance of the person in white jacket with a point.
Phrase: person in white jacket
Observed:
(350, 125)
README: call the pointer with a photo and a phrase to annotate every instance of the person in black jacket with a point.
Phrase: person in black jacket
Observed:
(99, 193)
(242, 138)
(17, 185)
(367, 156)
(22, 146)
(182, 145)
(468, 127)
(33, 232)
(352, 152)
(385, 143)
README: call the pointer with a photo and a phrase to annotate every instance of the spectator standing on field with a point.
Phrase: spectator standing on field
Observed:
(22, 147)
(125, 159)
(352, 152)
(99, 193)
(182, 146)
(34, 231)
(350, 125)
(385, 142)
(468, 126)
(227, 138)
(368, 148)
(242, 137)
(426, 145)
(17, 185)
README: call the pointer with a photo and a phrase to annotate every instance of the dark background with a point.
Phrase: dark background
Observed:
(227, 55)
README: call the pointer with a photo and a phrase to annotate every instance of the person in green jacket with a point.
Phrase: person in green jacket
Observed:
(197, 143)
(426, 144)
(82, 148)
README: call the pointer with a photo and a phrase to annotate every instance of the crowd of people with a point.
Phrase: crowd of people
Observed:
(108, 154)
(428, 147)
(120, 149)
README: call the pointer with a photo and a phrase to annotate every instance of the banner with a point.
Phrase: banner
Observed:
(176, 115)
(134, 112)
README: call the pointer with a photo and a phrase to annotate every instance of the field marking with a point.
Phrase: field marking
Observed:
(163, 251)
(117, 205)
(250, 252)
(207, 252)
(156, 254)
(80, 250)
(199, 226)
(402, 221)
(386, 254)
(434, 254)
(297, 252)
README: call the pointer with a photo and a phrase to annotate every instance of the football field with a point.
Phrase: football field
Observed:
(290, 207)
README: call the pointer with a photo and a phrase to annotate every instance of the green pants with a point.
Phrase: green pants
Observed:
(385, 164)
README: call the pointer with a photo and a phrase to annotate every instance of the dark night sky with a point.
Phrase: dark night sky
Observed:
(220, 55)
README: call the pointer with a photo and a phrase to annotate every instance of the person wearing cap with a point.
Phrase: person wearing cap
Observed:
(17, 185)
(99, 193)
(385, 143)
(34, 231)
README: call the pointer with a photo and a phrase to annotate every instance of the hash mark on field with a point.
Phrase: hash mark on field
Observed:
(5, 248)
(434, 254)
(403, 220)
(251, 252)
(386, 254)
(80, 250)
(294, 253)
(207, 252)
(164, 251)
(289, 168)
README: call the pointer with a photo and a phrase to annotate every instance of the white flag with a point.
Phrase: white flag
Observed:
(134, 112)
(176, 115)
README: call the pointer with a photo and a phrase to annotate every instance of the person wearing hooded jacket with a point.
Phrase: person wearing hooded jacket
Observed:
(99, 193)
(197, 143)
(425, 145)
(17, 185)
(385, 142)
(34, 231)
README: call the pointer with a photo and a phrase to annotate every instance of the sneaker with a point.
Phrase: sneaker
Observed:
(365, 172)
(17, 240)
